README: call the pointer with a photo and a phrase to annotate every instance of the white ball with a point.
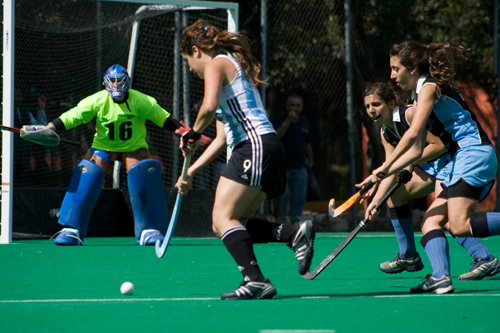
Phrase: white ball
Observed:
(127, 288)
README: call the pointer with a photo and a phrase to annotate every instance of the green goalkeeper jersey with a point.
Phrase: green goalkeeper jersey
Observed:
(120, 127)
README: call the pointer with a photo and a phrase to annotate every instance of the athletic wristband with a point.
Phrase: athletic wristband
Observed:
(189, 137)
(171, 124)
(58, 124)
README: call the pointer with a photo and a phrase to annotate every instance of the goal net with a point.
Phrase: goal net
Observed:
(62, 51)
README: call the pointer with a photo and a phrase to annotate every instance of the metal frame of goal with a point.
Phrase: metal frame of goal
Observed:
(180, 94)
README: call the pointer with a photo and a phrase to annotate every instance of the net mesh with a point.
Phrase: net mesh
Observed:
(61, 54)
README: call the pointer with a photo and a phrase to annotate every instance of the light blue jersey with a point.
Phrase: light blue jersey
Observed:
(474, 159)
(439, 168)
(241, 110)
(452, 120)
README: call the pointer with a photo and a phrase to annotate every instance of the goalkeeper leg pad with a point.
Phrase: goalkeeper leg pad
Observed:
(148, 201)
(81, 197)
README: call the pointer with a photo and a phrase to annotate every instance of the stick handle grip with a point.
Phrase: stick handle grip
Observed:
(185, 166)
(366, 188)
(404, 176)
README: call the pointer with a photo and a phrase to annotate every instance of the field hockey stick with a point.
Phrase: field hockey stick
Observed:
(334, 212)
(18, 131)
(403, 177)
(162, 248)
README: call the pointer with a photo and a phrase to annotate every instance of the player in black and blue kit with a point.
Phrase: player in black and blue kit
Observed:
(428, 71)
(386, 109)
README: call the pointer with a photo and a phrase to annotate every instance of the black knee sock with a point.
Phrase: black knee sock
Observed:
(239, 244)
(263, 231)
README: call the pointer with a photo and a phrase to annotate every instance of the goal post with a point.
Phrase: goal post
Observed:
(61, 53)
(7, 104)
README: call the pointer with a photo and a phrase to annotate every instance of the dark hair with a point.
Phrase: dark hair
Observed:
(436, 59)
(211, 40)
(386, 92)
(294, 95)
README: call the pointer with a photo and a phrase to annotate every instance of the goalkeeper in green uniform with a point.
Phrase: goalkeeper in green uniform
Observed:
(120, 114)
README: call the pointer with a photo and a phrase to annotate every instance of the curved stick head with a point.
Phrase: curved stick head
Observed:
(160, 251)
(331, 208)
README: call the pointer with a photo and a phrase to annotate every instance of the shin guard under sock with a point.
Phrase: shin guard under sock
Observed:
(474, 247)
(263, 231)
(485, 224)
(436, 248)
(402, 221)
(239, 244)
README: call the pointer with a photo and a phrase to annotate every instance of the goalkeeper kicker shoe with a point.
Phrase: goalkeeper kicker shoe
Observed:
(400, 263)
(481, 268)
(149, 237)
(68, 236)
(303, 246)
(442, 285)
(251, 290)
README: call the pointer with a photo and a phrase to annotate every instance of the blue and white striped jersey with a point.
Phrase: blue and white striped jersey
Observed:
(241, 110)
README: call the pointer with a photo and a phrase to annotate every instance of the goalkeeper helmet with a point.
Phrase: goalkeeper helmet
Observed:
(117, 81)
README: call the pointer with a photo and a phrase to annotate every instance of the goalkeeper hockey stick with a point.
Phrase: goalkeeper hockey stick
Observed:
(18, 131)
(162, 248)
(403, 177)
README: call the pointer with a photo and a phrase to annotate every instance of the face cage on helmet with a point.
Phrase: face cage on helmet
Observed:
(119, 88)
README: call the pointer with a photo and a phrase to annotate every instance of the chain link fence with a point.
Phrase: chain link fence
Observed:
(305, 54)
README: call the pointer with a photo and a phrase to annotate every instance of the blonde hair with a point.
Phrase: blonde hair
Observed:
(211, 40)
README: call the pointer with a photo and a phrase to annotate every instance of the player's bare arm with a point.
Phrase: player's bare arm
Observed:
(215, 149)
(413, 141)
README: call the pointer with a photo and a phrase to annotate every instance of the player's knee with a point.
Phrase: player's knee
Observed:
(216, 231)
(101, 158)
(431, 222)
(479, 225)
(398, 199)
(216, 225)
(460, 229)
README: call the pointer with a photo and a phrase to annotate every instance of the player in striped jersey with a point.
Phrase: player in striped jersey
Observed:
(384, 107)
(255, 170)
(428, 71)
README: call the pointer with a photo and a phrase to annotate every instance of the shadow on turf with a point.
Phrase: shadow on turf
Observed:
(379, 294)
(374, 294)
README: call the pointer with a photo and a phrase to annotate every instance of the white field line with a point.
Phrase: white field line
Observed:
(188, 299)
(296, 331)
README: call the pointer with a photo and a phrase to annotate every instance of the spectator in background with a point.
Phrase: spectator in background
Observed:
(295, 132)
(27, 111)
(43, 167)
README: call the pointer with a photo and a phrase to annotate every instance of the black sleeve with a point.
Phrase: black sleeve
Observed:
(171, 124)
(58, 124)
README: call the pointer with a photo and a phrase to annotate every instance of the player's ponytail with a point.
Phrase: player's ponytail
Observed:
(441, 58)
(211, 40)
(238, 46)
(435, 59)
